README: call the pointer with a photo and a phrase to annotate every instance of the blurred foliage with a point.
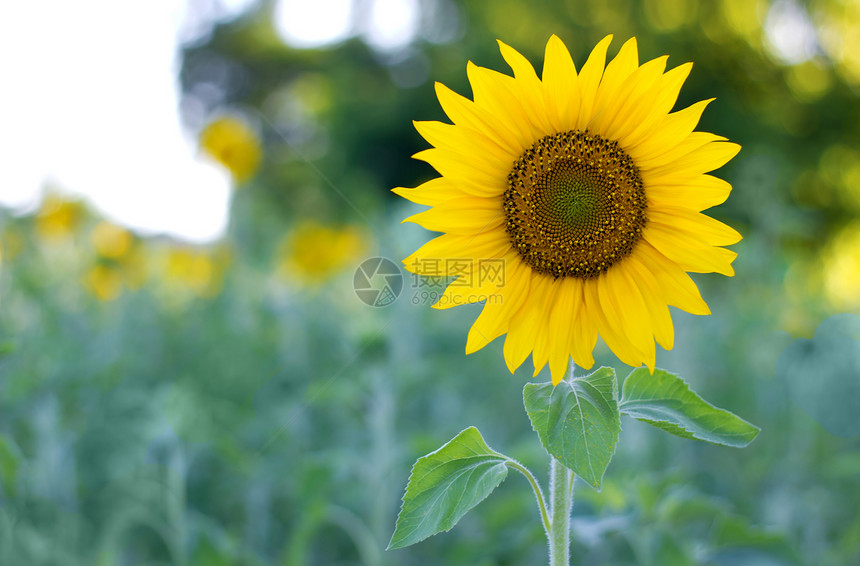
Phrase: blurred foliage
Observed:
(162, 403)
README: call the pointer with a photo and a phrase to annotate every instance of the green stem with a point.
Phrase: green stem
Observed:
(538, 493)
(561, 499)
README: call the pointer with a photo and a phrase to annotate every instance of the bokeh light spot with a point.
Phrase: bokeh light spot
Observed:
(313, 24)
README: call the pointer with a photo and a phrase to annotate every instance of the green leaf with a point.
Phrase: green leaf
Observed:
(664, 400)
(577, 421)
(445, 485)
(10, 458)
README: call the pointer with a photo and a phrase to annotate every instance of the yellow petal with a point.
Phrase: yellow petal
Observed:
(560, 84)
(634, 320)
(691, 255)
(589, 81)
(687, 147)
(655, 301)
(617, 72)
(698, 194)
(432, 192)
(666, 136)
(500, 307)
(468, 216)
(524, 324)
(619, 345)
(657, 110)
(694, 225)
(478, 280)
(467, 142)
(493, 92)
(527, 88)
(632, 102)
(474, 176)
(466, 113)
(434, 259)
(679, 290)
(544, 338)
(467, 289)
(584, 333)
(562, 321)
(489, 325)
(712, 155)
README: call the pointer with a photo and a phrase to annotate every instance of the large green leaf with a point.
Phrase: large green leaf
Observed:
(664, 400)
(577, 421)
(445, 484)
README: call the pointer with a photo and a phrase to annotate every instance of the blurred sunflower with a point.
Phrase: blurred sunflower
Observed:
(233, 144)
(313, 252)
(588, 190)
(842, 268)
(198, 271)
(58, 218)
(104, 281)
(12, 242)
(111, 241)
(120, 261)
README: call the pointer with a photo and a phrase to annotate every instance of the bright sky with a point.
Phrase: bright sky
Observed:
(89, 104)
(89, 107)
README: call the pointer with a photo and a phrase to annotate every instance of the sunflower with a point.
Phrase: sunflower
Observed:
(587, 191)
(233, 143)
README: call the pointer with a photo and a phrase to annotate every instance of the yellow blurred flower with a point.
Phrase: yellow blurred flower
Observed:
(233, 144)
(118, 248)
(842, 268)
(58, 217)
(194, 270)
(313, 252)
(104, 281)
(111, 241)
(12, 243)
(133, 266)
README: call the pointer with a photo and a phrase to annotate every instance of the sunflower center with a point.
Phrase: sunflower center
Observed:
(575, 205)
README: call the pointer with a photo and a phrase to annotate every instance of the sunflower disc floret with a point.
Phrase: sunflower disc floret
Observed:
(575, 205)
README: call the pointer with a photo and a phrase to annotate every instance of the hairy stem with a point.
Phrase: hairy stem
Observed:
(538, 493)
(561, 500)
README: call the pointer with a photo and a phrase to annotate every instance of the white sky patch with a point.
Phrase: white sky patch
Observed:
(789, 33)
(90, 98)
(392, 24)
(90, 106)
(317, 23)
(233, 8)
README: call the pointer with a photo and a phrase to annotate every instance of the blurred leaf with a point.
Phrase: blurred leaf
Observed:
(577, 421)
(667, 549)
(207, 554)
(685, 506)
(445, 485)
(9, 463)
(664, 400)
(760, 546)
